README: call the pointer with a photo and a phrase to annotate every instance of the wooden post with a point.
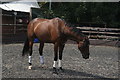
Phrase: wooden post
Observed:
(30, 14)
(50, 5)
(15, 13)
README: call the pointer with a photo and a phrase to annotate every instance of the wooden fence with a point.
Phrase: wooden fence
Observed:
(14, 26)
(101, 33)
(19, 34)
(12, 35)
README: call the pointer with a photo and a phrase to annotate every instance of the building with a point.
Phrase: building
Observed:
(15, 16)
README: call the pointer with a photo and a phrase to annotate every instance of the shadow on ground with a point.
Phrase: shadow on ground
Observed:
(69, 72)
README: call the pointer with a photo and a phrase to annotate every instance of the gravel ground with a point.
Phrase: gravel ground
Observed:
(103, 62)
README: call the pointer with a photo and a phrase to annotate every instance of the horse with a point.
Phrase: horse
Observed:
(57, 32)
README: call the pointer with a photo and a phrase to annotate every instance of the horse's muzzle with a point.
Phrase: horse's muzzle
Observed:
(86, 57)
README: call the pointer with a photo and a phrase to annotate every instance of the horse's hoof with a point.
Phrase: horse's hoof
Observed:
(43, 66)
(29, 67)
(42, 63)
(54, 70)
(61, 69)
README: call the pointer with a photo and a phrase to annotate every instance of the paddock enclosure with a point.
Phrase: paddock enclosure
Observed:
(103, 62)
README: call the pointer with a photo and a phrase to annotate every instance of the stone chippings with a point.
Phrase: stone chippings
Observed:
(103, 62)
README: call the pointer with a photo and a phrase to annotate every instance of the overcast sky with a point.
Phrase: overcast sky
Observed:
(67, 0)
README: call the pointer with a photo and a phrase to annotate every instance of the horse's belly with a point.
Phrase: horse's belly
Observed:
(45, 37)
(46, 33)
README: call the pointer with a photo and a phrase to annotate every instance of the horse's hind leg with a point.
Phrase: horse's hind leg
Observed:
(61, 47)
(41, 52)
(30, 54)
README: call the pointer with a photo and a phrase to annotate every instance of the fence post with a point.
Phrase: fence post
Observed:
(15, 13)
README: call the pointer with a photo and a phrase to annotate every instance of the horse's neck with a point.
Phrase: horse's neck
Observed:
(72, 35)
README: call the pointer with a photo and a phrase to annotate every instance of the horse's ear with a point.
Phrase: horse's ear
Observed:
(87, 40)
(88, 36)
(83, 40)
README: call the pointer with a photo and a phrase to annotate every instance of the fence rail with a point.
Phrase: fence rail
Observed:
(101, 33)
(95, 33)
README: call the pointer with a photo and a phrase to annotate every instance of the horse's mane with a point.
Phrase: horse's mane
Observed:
(77, 31)
(73, 29)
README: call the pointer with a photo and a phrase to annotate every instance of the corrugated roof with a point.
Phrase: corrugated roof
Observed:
(22, 5)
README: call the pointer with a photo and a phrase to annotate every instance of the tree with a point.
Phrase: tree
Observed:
(92, 12)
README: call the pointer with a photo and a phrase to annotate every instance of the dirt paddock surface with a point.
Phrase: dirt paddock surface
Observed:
(103, 62)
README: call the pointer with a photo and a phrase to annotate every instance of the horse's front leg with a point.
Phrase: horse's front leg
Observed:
(61, 47)
(55, 56)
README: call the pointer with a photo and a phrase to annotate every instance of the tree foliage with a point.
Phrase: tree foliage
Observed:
(106, 13)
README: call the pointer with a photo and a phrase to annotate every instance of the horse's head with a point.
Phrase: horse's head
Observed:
(83, 46)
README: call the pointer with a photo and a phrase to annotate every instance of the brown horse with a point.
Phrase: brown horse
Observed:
(54, 31)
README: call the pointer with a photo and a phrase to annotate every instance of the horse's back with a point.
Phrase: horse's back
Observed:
(48, 30)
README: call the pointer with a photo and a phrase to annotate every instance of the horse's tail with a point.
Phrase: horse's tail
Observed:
(26, 47)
